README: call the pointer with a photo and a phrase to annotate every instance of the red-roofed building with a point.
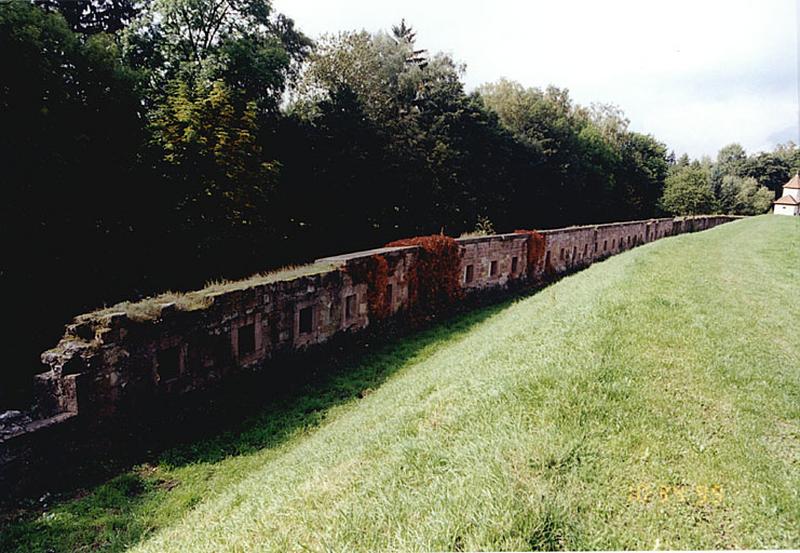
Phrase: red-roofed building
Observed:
(789, 203)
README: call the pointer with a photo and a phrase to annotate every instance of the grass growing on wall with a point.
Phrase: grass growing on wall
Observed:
(650, 401)
(149, 309)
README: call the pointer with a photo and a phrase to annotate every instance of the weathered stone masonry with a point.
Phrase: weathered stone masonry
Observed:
(109, 365)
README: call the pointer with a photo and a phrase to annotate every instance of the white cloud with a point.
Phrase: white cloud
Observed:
(696, 74)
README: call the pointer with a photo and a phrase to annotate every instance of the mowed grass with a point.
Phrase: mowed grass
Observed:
(650, 401)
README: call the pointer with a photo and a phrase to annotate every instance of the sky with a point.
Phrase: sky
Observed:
(697, 74)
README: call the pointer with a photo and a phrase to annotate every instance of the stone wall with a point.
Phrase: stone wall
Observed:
(493, 261)
(109, 365)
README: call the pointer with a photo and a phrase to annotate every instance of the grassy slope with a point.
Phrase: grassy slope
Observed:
(652, 400)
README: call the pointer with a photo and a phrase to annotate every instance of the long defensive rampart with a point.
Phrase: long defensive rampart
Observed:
(111, 363)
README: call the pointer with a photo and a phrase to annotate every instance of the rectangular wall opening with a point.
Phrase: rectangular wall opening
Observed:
(469, 274)
(247, 339)
(168, 364)
(514, 261)
(306, 319)
(389, 295)
(493, 268)
(350, 306)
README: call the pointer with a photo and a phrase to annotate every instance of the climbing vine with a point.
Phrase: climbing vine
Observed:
(433, 281)
(537, 245)
(374, 272)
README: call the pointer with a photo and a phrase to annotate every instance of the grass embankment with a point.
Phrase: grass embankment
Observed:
(652, 400)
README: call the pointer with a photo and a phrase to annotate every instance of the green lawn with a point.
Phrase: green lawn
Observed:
(650, 401)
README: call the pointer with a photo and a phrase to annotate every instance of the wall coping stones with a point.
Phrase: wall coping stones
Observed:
(491, 237)
(343, 258)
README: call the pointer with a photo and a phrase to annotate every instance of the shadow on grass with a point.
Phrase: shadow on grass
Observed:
(114, 514)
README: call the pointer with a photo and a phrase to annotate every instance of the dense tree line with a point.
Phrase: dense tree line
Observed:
(157, 144)
(734, 183)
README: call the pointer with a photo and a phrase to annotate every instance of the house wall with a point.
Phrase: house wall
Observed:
(786, 210)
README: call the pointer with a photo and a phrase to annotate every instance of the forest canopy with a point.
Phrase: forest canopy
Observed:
(157, 144)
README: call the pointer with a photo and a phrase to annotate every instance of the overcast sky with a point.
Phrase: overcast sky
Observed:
(696, 74)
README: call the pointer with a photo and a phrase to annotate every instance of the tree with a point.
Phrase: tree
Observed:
(201, 132)
(687, 191)
(441, 148)
(643, 170)
(405, 36)
(550, 127)
(773, 169)
(744, 196)
(731, 160)
(94, 16)
(754, 199)
(586, 155)
(242, 43)
(217, 71)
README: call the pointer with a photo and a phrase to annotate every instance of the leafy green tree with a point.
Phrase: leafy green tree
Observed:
(345, 61)
(731, 160)
(567, 162)
(216, 70)
(754, 199)
(221, 179)
(643, 170)
(683, 161)
(439, 144)
(744, 196)
(385, 72)
(773, 169)
(587, 157)
(253, 50)
(687, 191)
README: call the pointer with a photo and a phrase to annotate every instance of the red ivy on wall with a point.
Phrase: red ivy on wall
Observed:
(537, 245)
(434, 280)
(374, 272)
